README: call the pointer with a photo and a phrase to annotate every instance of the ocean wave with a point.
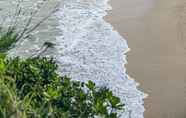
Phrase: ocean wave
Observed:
(89, 49)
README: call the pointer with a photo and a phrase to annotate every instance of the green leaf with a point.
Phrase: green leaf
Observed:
(90, 85)
(2, 65)
(115, 101)
(2, 55)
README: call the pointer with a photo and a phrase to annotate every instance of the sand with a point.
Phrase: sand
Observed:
(156, 33)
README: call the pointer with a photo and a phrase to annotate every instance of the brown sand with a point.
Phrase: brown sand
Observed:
(157, 59)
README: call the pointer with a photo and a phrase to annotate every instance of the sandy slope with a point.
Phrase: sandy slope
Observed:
(157, 38)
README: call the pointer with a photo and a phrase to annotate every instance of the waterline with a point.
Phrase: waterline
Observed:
(90, 49)
(87, 48)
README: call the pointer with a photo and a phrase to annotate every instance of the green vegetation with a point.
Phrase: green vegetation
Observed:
(32, 88)
(7, 39)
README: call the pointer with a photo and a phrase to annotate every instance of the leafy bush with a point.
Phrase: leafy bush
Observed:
(32, 88)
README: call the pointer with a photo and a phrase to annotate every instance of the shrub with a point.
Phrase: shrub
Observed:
(33, 89)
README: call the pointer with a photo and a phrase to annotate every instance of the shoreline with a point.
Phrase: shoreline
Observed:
(157, 56)
(99, 52)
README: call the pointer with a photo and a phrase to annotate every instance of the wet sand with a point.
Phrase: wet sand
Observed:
(156, 34)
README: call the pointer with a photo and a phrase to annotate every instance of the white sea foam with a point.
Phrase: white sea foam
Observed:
(89, 49)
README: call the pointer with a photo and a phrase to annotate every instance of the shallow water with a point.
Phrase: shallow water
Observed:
(46, 32)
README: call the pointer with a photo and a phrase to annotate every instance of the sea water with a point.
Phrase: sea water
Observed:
(91, 50)
(87, 48)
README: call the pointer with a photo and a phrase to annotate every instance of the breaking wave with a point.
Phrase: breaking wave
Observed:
(87, 48)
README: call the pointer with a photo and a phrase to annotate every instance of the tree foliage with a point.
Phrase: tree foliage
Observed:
(32, 88)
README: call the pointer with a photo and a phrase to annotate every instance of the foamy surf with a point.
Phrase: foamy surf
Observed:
(89, 49)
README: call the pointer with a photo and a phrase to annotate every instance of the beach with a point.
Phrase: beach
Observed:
(156, 34)
(88, 48)
(85, 47)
